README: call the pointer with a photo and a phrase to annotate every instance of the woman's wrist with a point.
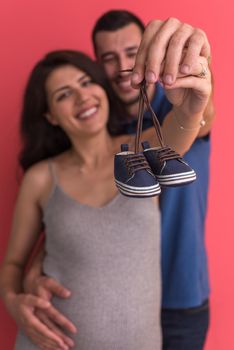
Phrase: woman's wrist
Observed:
(199, 124)
(188, 122)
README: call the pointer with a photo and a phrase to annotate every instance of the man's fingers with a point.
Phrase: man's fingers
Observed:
(37, 302)
(60, 319)
(45, 332)
(41, 341)
(54, 287)
(55, 329)
(40, 334)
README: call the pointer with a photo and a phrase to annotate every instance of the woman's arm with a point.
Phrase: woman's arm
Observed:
(192, 102)
(26, 227)
(24, 233)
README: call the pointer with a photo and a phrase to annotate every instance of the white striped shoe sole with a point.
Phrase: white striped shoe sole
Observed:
(176, 179)
(133, 191)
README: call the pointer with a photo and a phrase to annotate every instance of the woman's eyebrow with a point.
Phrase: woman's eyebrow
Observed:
(84, 76)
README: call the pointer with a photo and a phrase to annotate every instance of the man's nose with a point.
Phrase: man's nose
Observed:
(125, 67)
(124, 63)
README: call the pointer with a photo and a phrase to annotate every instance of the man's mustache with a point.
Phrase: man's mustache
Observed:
(121, 76)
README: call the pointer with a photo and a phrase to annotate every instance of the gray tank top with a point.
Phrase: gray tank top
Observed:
(109, 258)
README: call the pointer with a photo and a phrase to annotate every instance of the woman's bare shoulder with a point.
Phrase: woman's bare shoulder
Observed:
(37, 180)
(40, 172)
(37, 172)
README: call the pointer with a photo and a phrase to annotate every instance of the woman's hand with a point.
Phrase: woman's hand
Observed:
(168, 48)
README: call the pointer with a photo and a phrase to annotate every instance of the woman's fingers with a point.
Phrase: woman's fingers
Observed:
(199, 69)
(164, 43)
(197, 45)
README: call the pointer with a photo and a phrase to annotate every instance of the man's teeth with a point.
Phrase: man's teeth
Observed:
(88, 113)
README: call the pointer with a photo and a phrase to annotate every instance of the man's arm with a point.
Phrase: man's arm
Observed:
(46, 287)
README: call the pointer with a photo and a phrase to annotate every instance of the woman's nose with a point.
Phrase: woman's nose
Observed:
(81, 96)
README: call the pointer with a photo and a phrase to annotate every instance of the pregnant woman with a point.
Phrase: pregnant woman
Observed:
(105, 247)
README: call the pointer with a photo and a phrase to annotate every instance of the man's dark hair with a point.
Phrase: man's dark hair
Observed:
(114, 20)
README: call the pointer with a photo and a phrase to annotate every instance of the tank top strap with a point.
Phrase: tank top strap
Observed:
(52, 172)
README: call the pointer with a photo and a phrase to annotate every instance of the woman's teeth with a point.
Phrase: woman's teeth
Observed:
(88, 113)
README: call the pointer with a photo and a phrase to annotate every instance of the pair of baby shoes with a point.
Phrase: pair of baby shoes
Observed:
(142, 174)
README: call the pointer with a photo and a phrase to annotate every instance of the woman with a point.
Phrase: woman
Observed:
(103, 246)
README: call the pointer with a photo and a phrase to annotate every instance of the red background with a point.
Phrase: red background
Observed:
(30, 28)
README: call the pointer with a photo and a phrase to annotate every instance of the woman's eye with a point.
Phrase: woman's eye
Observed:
(87, 82)
(64, 95)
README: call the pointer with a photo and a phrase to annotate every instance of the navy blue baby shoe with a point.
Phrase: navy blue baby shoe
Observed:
(133, 175)
(168, 166)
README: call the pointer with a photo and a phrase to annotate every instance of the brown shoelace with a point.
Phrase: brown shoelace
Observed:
(136, 162)
(165, 152)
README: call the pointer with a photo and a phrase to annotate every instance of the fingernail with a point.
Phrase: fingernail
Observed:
(67, 293)
(185, 69)
(135, 78)
(168, 79)
(150, 77)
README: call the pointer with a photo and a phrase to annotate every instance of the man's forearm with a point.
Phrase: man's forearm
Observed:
(34, 270)
(10, 283)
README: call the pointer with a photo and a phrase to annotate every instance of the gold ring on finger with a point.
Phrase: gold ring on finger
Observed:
(203, 73)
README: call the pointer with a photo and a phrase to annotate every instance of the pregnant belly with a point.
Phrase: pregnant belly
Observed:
(111, 310)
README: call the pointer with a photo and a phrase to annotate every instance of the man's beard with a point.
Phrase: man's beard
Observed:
(131, 102)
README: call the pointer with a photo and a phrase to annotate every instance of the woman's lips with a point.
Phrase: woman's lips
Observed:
(87, 113)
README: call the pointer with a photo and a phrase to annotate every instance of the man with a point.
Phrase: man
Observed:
(169, 50)
(116, 38)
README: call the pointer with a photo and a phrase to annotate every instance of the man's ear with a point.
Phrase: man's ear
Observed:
(51, 119)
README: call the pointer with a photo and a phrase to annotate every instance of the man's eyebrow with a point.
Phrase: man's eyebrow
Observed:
(131, 48)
